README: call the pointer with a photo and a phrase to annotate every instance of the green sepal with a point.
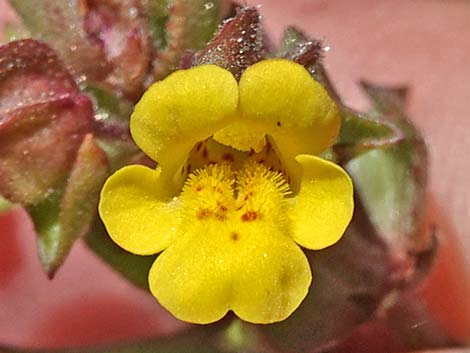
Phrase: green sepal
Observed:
(360, 133)
(392, 181)
(45, 215)
(157, 13)
(68, 212)
(357, 128)
(382, 151)
(390, 191)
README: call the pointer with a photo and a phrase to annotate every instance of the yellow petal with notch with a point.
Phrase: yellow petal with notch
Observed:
(138, 210)
(250, 268)
(323, 207)
(186, 107)
(282, 98)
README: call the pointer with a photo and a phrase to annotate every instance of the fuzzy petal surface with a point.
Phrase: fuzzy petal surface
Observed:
(324, 205)
(137, 210)
(252, 269)
(281, 97)
(186, 107)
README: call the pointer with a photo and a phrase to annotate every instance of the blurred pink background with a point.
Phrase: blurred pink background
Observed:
(423, 43)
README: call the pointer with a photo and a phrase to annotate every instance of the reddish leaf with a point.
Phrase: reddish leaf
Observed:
(301, 49)
(42, 123)
(30, 73)
(237, 45)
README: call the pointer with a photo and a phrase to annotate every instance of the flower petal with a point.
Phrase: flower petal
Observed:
(250, 268)
(183, 109)
(270, 289)
(281, 97)
(323, 207)
(238, 136)
(138, 210)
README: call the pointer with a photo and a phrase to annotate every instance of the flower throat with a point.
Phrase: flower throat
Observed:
(250, 193)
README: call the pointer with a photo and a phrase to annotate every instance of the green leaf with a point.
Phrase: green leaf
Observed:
(66, 215)
(387, 161)
(361, 133)
(357, 128)
(392, 181)
(133, 267)
(190, 27)
(44, 216)
(157, 13)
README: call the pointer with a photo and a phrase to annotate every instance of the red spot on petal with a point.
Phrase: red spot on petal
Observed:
(228, 157)
(249, 216)
(203, 213)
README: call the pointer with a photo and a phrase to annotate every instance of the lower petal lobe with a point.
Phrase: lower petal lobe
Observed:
(138, 211)
(323, 206)
(250, 268)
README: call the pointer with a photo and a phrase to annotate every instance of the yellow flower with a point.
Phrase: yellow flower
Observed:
(237, 187)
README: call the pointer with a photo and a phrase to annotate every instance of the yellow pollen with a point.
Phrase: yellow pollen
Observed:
(209, 191)
(252, 193)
